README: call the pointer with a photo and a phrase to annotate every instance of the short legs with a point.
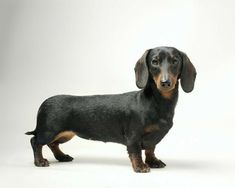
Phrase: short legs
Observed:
(59, 155)
(151, 159)
(37, 151)
(54, 146)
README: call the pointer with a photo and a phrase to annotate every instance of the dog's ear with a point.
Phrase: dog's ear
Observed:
(188, 74)
(141, 71)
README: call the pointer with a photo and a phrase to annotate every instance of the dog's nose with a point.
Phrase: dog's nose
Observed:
(166, 84)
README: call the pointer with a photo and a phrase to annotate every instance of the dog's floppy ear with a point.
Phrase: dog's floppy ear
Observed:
(141, 71)
(188, 74)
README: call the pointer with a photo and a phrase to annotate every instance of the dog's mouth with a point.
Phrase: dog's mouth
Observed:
(166, 92)
(164, 86)
(165, 89)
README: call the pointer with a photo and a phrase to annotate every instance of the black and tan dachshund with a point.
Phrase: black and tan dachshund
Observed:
(138, 120)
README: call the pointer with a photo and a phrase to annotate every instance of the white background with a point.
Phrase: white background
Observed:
(86, 47)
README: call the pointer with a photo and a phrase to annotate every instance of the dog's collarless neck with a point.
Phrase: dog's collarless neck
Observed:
(159, 102)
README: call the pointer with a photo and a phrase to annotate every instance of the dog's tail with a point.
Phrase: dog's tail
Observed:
(31, 133)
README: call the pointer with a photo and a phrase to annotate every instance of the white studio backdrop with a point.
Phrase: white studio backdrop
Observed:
(88, 47)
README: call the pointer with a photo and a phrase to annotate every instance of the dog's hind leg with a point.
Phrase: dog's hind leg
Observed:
(59, 155)
(54, 146)
(37, 151)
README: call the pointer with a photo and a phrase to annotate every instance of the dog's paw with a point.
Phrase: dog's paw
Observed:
(155, 163)
(142, 168)
(64, 158)
(41, 163)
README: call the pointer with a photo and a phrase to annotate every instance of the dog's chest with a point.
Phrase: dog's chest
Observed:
(154, 132)
(157, 126)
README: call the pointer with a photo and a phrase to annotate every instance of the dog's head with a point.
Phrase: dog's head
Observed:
(165, 65)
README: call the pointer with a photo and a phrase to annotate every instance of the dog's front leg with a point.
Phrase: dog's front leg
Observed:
(134, 151)
(152, 160)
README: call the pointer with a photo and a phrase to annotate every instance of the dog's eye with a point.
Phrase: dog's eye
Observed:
(175, 61)
(155, 62)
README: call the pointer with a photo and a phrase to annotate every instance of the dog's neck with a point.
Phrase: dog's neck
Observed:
(162, 101)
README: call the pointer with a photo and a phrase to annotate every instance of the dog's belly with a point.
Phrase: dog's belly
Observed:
(105, 127)
(102, 137)
(100, 131)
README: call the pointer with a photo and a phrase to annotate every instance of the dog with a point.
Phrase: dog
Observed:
(139, 120)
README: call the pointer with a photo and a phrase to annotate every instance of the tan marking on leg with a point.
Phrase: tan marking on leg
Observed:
(149, 153)
(151, 128)
(138, 164)
(63, 136)
(151, 159)
(38, 159)
(56, 150)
